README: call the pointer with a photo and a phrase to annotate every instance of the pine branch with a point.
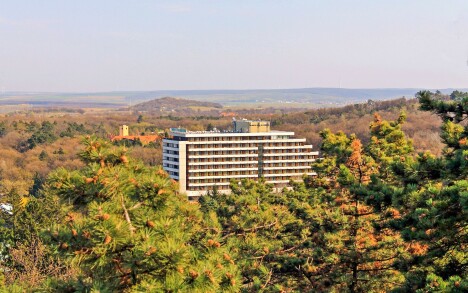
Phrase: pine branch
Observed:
(127, 216)
(292, 248)
(268, 279)
(241, 231)
(136, 206)
(376, 269)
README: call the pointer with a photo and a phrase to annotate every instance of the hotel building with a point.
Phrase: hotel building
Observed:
(200, 160)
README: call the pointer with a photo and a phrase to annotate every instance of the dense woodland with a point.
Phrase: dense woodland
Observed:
(386, 212)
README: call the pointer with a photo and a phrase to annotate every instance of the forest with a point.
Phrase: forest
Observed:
(387, 211)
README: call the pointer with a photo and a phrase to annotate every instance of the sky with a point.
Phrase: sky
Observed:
(117, 45)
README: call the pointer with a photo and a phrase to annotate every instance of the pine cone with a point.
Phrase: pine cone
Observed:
(193, 274)
(150, 224)
(104, 217)
(124, 159)
(209, 274)
(108, 239)
(151, 250)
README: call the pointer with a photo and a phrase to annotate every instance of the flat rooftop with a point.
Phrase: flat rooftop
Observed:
(241, 127)
(187, 133)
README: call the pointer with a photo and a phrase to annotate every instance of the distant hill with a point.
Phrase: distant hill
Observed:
(169, 104)
(310, 98)
(285, 98)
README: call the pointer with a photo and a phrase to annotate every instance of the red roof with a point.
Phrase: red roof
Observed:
(145, 139)
(228, 114)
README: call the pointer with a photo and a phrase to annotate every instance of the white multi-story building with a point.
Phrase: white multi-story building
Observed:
(201, 160)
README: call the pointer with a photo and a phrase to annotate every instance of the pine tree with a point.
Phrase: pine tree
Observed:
(356, 250)
(436, 217)
(128, 229)
(388, 143)
(43, 155)
(22, 219)
(257, 226)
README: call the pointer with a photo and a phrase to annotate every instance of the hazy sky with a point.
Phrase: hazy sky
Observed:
(114, 45)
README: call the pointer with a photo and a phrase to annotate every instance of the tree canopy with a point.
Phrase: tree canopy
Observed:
(377, 217)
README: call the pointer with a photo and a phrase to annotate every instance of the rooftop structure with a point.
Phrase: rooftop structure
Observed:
(203, 160)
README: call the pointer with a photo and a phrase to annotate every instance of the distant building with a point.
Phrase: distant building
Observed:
(144, 139)
(201, 160)
(227, 114)
(123, 130)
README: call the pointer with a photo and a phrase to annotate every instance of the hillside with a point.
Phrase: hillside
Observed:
(422, 127)
(169, 104)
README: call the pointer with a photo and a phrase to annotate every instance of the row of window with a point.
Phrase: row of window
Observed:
(288, 171)
(245, 145)
(206, 188)
(288, 158)
(171, 145)
(221, 160)
(219, 153)
(171, 166)
(234, 138)
(246, 159)
(296, 164)
(171, 159)
(209, 167)
(234, 173)
(226, 181)
(241, 152)
(223, 173)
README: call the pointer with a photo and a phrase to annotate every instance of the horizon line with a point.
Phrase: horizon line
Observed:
(228, 89)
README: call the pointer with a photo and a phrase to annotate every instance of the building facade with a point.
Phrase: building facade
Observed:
(201, 160)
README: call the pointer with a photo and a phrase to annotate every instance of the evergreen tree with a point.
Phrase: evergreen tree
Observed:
(40, 135)
(437, 209)
(3, 129)
(43, 155)
(128, 229)
(22, 219)
(257, 226)
(140, 119)
(355, 248)
(388, 143)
